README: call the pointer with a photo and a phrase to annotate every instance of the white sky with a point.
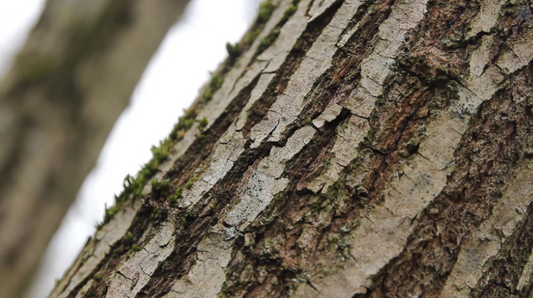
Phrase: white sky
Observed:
(192, 48)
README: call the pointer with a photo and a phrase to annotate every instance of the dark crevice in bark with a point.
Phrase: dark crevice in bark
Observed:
(278, 84)
(361, 12)
(369, 16)
(336, 84)
(309, 7)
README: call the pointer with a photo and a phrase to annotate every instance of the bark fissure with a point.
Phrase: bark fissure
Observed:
(313, 30)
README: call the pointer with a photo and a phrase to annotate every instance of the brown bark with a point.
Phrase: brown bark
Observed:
(58, 103)
(373, 149)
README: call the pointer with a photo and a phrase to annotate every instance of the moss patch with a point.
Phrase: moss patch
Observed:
(268, 40)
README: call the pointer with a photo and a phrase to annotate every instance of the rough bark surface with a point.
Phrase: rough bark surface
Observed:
(58, 103)
(372, 149)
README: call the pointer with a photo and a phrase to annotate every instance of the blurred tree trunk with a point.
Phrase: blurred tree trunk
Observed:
(58, 103)
(344, 149)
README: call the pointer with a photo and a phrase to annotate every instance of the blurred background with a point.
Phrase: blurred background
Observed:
(191, 49)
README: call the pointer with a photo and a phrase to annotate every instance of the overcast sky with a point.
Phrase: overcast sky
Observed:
(193, 47)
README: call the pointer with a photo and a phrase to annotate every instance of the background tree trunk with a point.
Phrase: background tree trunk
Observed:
(351, 149)
(58, 103)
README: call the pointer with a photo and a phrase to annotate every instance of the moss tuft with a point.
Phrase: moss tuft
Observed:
(177, 195)
(268, 40)
(266, 8)
(160, 187)
(215, 84)
(203, 123)
(110, 213)
(129, 237)
(252, 36)
(190, 183)
(233, 50)
(289, 12)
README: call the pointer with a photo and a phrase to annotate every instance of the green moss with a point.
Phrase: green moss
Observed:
(160, 186)
(317, 206)
(177, 195)
(98, 225)
(111, 211)
(190, 113)
(266, 8)
(336, 190)
(270, 38)
(178, 192)
(215, 83)
(289, 12)
(135, 247)
(158, 215)
(203, 123)
(187, 219)
(135, 185)
(185, 123)
(160, 154)
(252, 36)
(190, 183)
(203, 138)
(343, 127)
(97, 276)
(308, 121)
(233, 50)
(267, 41)
(279, 195)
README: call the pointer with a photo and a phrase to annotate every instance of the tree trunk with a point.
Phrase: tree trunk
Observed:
(58, 103)
(353, 149)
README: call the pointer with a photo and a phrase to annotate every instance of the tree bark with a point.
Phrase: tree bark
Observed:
(354, 149)
(58, 103)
